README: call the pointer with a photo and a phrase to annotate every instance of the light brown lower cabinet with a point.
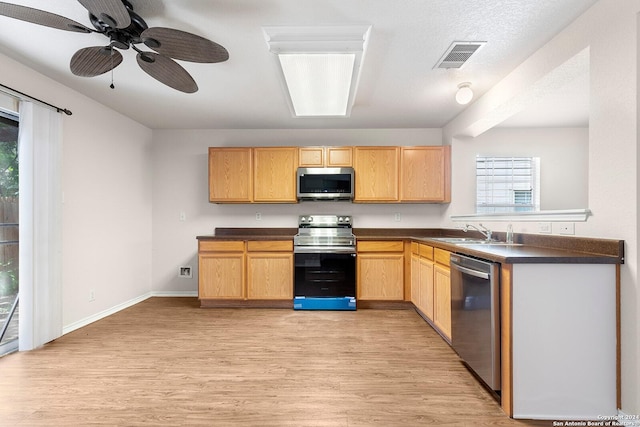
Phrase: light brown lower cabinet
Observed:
(442, 299)
(221, 268)
(239, 270)
(380, 270)
(269, 275)
(431, 285)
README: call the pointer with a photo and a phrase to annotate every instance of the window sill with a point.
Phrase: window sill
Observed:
(569, 215)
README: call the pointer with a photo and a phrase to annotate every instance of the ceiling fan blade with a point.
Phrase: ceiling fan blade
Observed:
(40, 17)
(167, 71)
(182, 45)
(96, 60)
(111, 12)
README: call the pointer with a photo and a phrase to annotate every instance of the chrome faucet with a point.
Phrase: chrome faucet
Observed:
(482, 229)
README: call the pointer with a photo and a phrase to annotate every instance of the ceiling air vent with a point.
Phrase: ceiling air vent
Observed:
(457, 54)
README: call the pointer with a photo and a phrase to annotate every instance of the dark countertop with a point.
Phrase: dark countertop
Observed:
(524, 254)
(250, 234)
(532, 248)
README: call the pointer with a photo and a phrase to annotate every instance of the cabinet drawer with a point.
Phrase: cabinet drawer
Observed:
(221, 246)
(381, 246)
(270, 246)
(415, 248)
(427, 252)
(441, 256)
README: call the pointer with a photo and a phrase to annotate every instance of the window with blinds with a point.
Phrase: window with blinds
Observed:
(507, 184)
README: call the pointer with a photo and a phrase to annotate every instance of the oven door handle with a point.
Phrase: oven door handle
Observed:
(470, 271)
(323, 250)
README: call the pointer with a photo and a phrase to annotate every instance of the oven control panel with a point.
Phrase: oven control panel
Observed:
(324, 221)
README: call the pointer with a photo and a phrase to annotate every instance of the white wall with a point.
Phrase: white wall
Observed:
(180, 185)
(610, 30)
(564, 161)
(106, 182)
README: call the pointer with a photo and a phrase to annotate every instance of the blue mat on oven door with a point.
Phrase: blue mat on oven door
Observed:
(332, 303)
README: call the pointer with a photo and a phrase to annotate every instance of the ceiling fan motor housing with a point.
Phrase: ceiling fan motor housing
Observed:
(122, 38)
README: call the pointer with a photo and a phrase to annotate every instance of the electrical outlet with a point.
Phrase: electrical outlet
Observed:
(544, 227)
(183, 216)
(92, 295)
(397, 217)
(185, 272)
(567, 228)
(258, 216)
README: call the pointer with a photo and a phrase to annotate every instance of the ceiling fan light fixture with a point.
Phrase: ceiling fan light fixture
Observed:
(319, 66)
(464, 95)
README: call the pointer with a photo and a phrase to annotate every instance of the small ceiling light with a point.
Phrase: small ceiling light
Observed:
(464, 94)
(319, 66)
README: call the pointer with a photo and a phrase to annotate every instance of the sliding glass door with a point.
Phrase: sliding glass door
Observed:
(8, 233)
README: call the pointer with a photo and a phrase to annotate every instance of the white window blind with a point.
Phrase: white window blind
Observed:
(507, 184)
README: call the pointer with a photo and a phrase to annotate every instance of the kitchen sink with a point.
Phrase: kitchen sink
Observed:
(472, 241)
(457, 240)
(488, 243)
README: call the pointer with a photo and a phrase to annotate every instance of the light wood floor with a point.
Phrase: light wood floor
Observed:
(167, 362)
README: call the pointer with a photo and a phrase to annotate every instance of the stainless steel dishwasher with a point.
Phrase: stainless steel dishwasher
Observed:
(475, 316)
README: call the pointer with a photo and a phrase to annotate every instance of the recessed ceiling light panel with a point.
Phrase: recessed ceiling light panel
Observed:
(320, 66)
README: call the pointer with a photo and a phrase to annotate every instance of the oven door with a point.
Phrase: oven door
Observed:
(325, 274)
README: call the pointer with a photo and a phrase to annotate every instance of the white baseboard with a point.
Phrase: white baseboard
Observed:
(108, 312)
(174, 293)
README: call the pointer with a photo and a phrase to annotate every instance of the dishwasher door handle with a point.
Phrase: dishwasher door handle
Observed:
(469, 271)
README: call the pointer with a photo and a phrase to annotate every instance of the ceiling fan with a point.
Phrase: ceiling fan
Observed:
(126, 29)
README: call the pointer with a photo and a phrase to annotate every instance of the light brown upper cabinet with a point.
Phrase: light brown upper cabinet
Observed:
(425, 174)
(329, 157)
(387, 174)
(274, 172)
(376, 173)
(230, 175)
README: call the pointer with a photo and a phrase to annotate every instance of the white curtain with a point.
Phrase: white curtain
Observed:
(40, 160)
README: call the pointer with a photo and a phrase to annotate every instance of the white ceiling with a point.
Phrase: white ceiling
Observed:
(398, 87)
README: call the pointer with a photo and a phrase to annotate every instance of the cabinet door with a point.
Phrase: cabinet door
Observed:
(310, 157)
(425, 174)
(376, 174)
(380, 276)
(339, 157)
(275, 174)
(442, 304)
(270, 276)
(426, 287)
(415, 280)
(220, 275)
(230, 175)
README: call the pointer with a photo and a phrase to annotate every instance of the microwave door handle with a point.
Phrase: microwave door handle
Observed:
(469, 271)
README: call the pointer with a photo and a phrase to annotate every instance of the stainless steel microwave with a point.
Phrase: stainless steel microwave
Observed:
(325, 183)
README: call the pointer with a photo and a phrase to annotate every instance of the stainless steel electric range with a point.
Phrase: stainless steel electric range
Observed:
(325, 263)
